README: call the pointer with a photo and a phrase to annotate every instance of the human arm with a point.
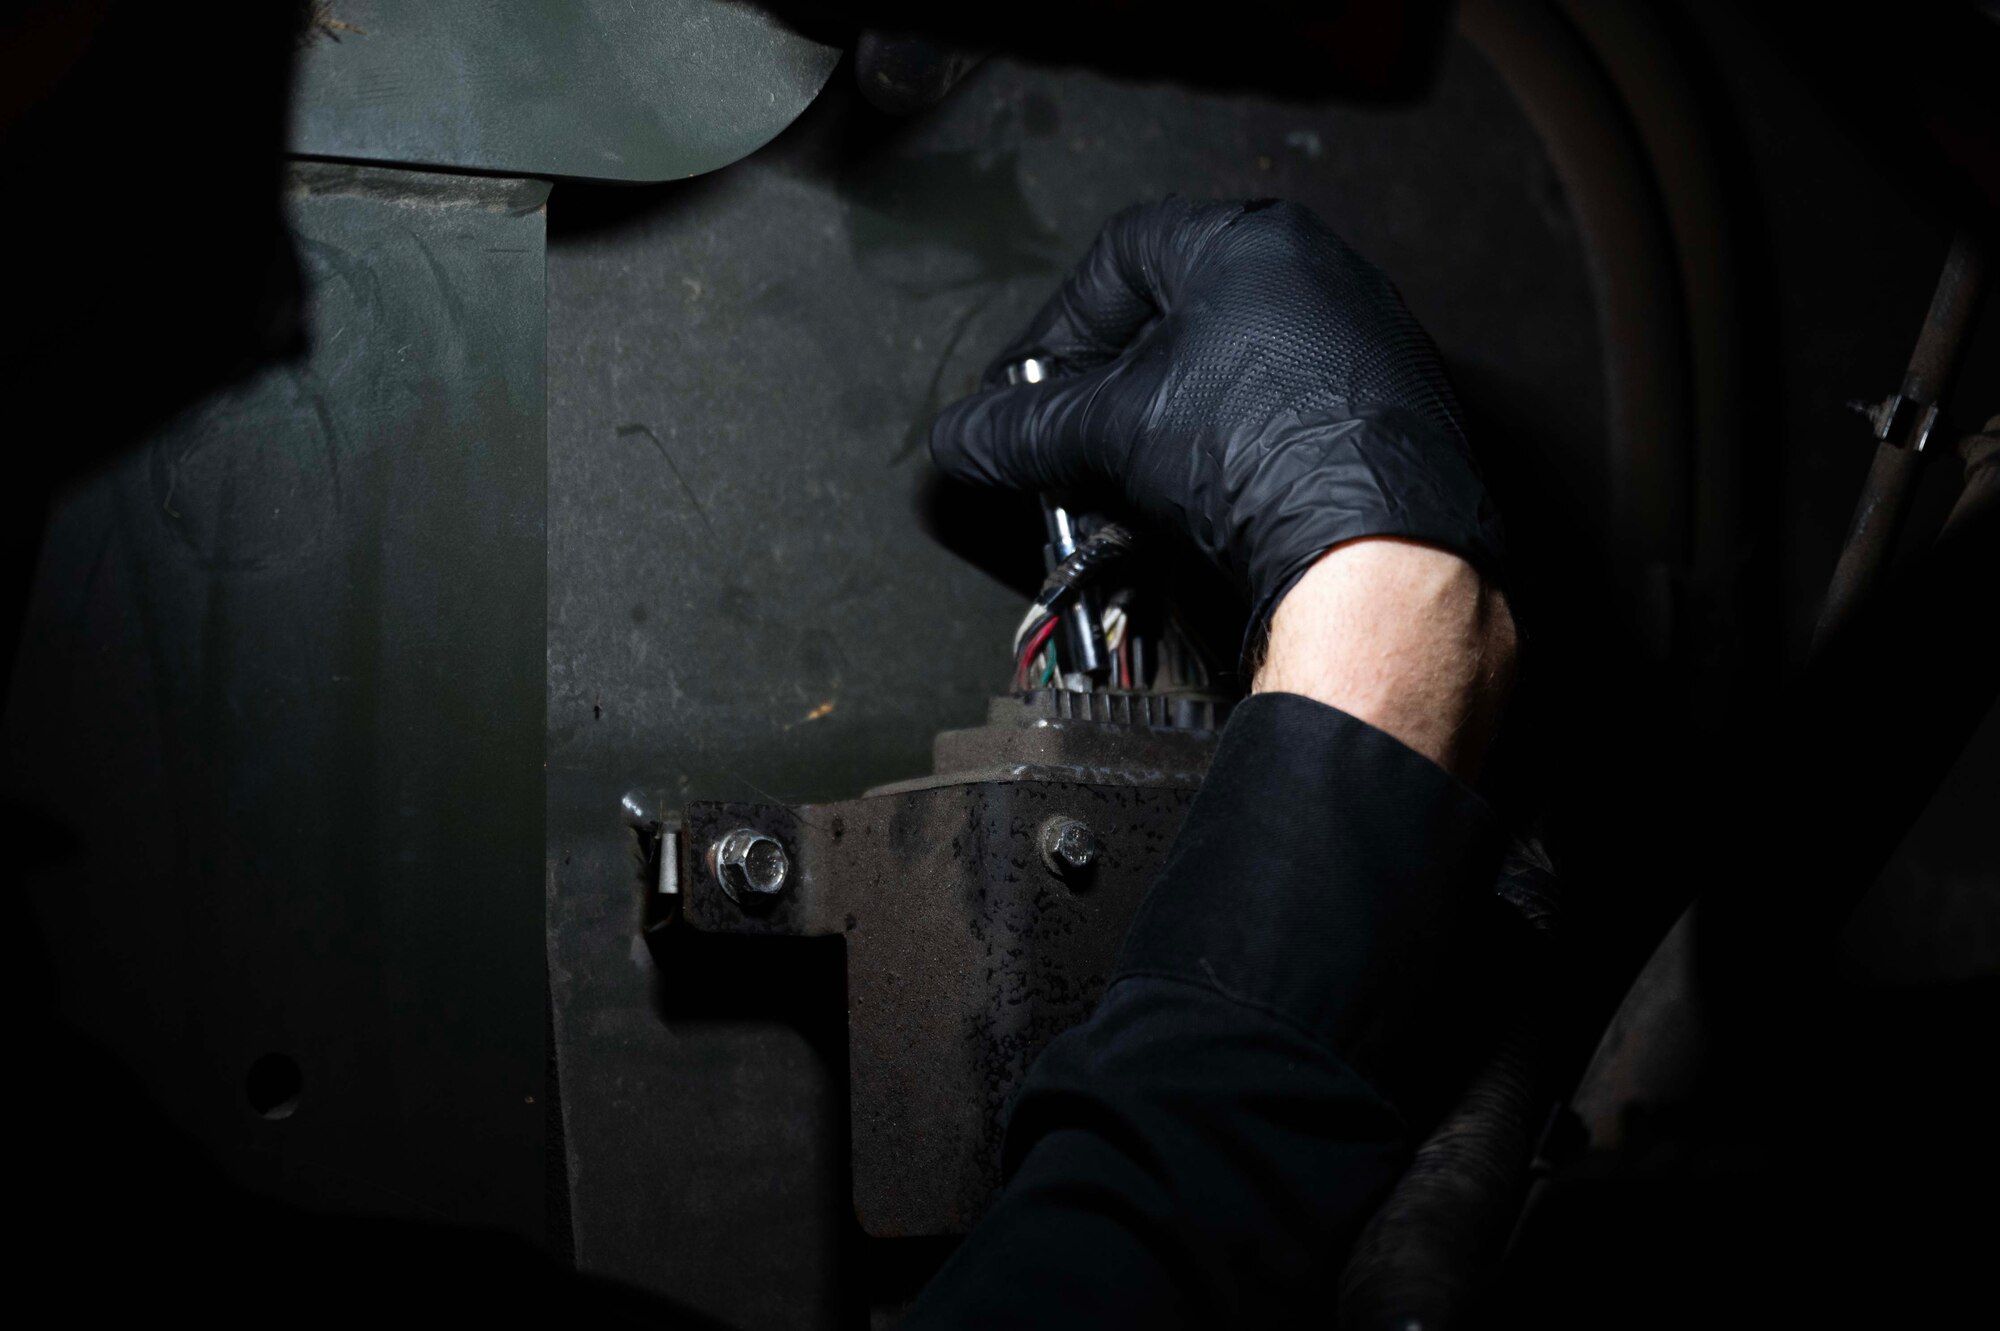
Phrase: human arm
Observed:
(1297, 1000)
(1297, 996)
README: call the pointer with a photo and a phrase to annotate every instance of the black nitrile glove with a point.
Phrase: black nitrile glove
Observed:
(1236, 372)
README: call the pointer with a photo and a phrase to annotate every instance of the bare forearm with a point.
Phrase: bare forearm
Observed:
(1406, 637)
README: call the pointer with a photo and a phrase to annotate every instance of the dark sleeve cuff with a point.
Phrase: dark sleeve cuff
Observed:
(1343, 883)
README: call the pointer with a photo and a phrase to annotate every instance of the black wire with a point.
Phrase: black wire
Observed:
(1104, 548)
(1033, 627)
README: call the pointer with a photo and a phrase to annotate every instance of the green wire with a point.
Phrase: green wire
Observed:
(1048, 667)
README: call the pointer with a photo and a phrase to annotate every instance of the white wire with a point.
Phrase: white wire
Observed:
(1114, 627)
(1035, 612)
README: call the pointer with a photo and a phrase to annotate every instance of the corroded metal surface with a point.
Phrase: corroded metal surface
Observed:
(966, 955)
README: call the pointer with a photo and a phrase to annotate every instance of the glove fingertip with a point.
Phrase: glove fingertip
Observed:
(947, 436)
(964, 441)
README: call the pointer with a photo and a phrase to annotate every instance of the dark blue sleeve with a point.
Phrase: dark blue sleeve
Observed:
(1297, 1001)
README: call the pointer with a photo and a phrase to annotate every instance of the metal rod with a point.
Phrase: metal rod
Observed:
(1080, 648)
(1903, 426)
(1982, 479)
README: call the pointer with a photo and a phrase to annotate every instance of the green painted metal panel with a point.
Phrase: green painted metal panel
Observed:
(596, 89)
(282, 677)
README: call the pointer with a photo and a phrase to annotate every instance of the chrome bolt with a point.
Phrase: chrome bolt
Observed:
(750, 865)
(1069, 847)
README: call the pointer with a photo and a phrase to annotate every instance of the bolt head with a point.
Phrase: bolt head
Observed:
(1069, 847)
(751, 866)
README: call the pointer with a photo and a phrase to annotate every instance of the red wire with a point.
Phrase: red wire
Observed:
(1041, 635)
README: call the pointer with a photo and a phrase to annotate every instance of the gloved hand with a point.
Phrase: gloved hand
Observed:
(1235, 372)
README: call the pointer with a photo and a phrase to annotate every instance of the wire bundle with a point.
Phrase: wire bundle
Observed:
(1136, 656)
(1038, 628)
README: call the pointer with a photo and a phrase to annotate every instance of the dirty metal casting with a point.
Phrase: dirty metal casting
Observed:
(982, 908)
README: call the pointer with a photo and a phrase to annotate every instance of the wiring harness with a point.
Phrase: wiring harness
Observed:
(1146, 646)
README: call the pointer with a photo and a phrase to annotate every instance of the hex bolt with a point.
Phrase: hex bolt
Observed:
(1069, 847)
(750, 865)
